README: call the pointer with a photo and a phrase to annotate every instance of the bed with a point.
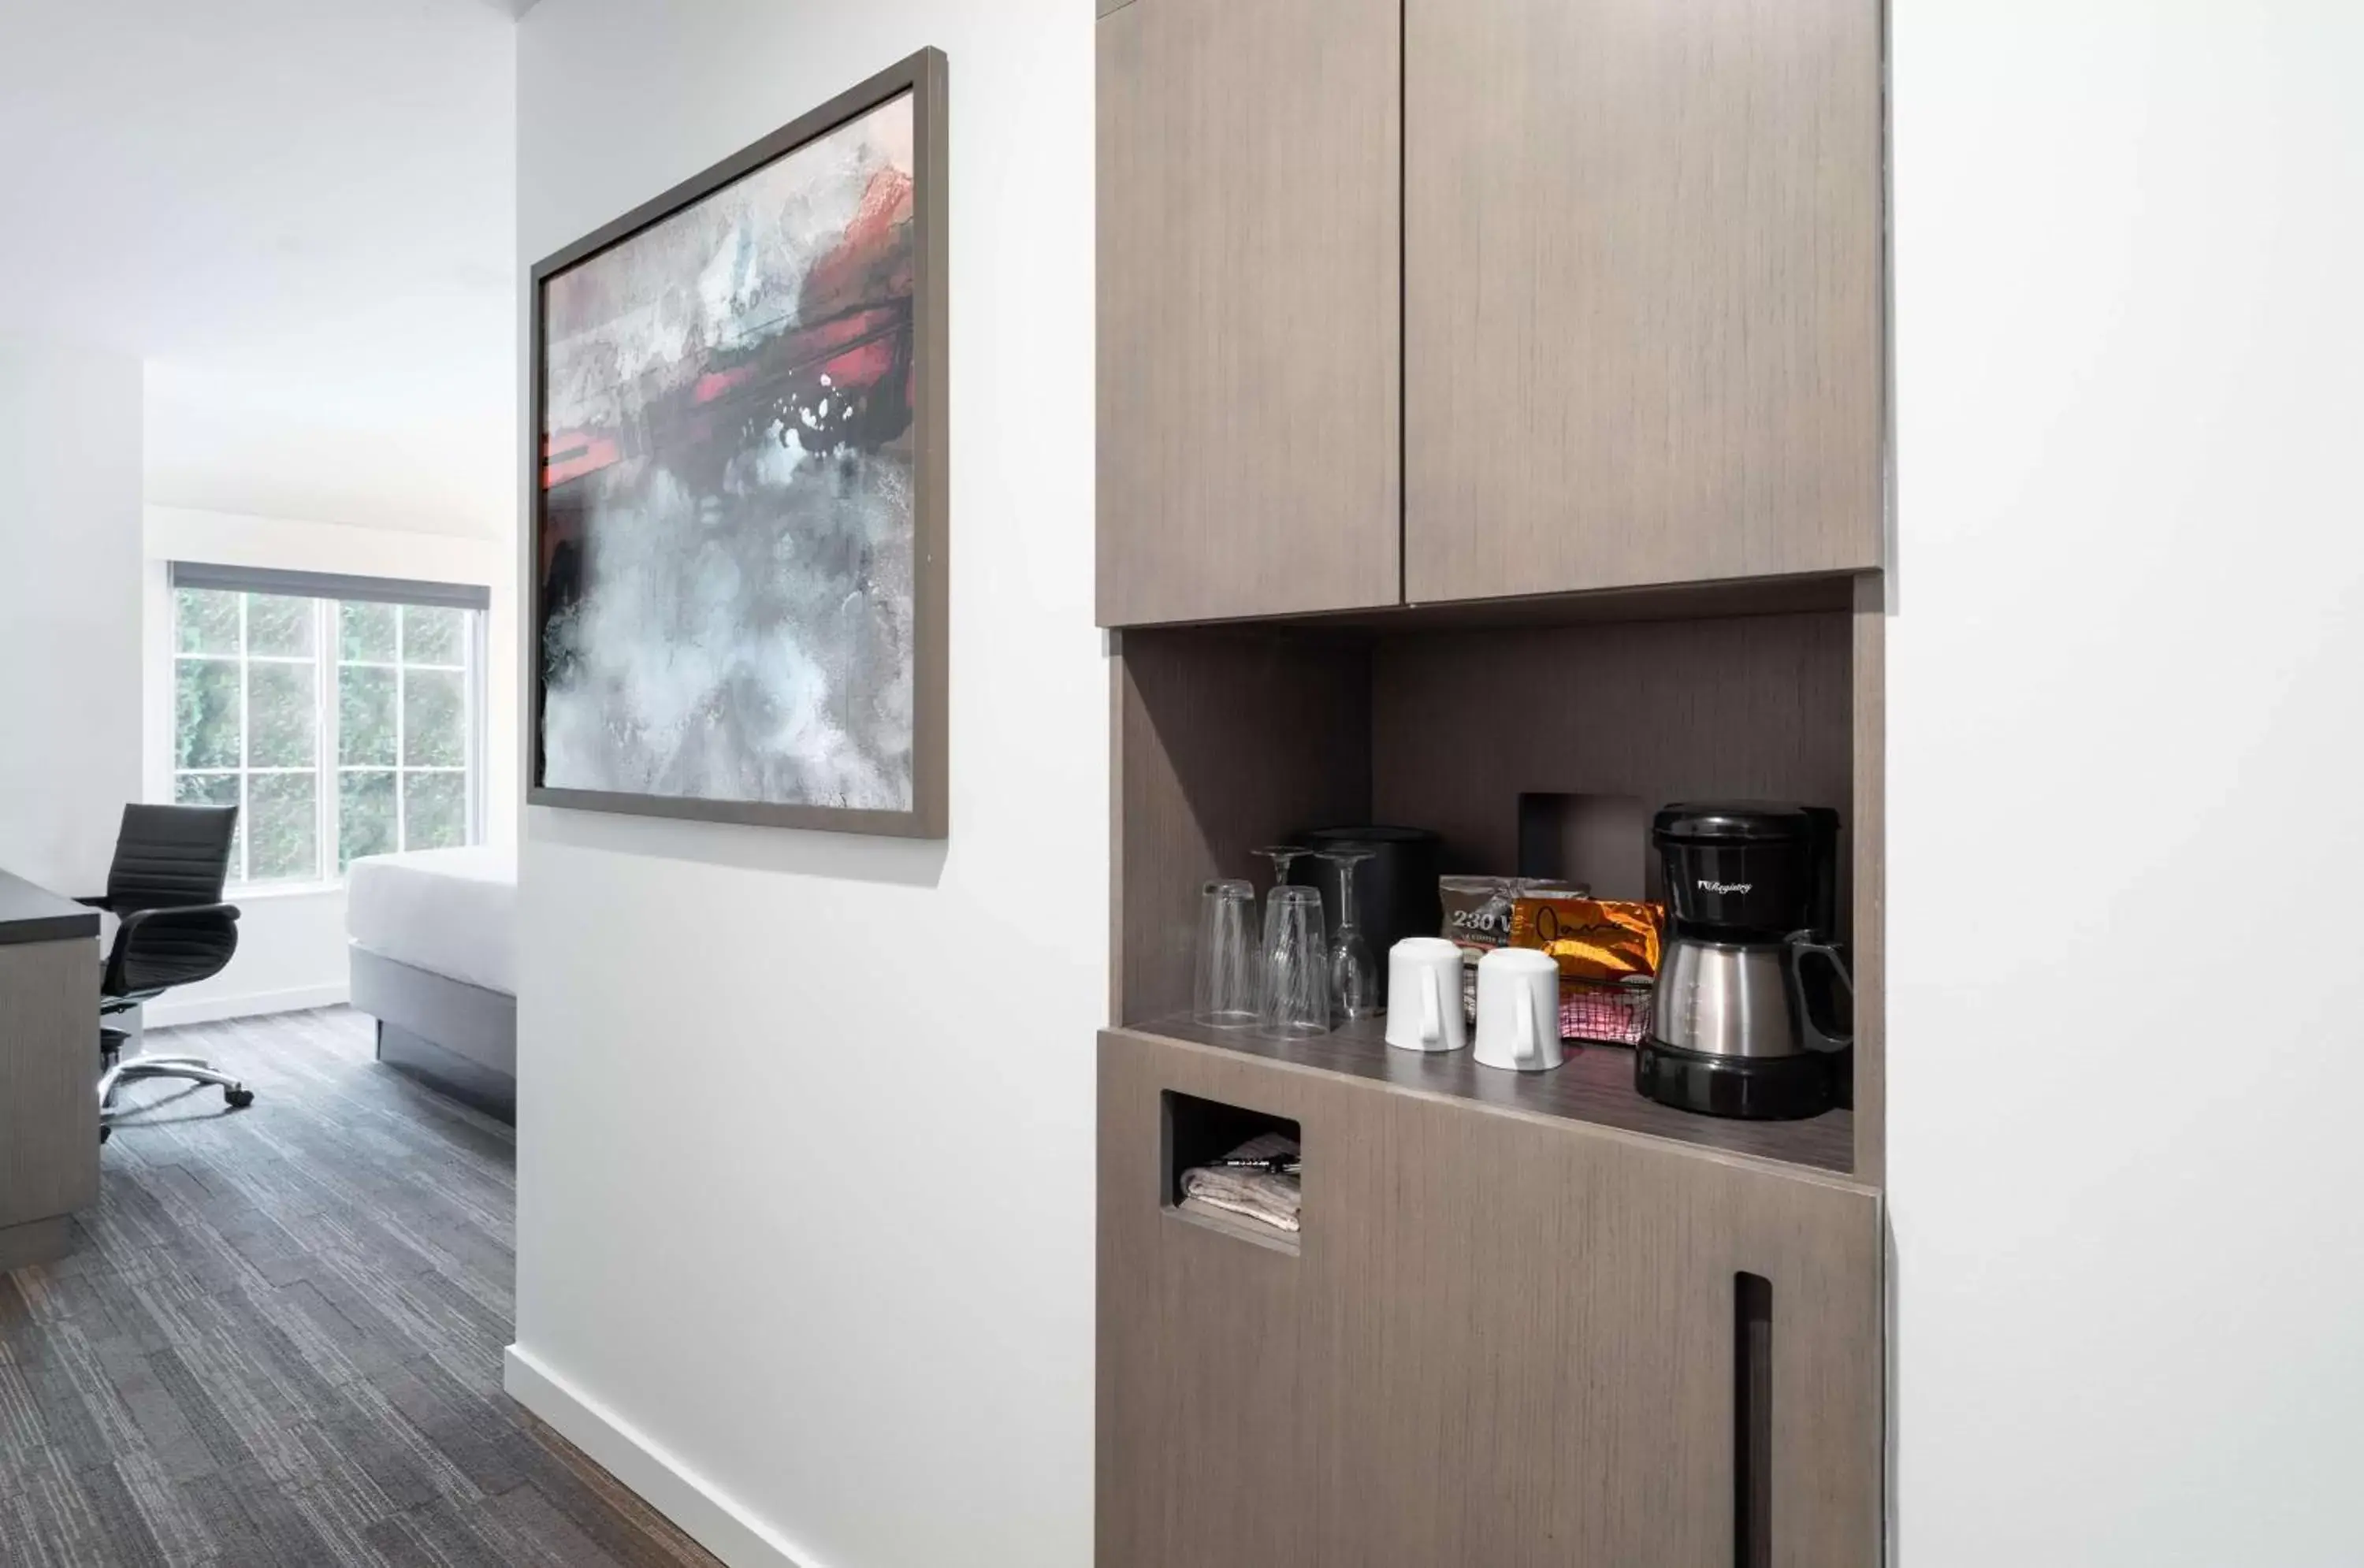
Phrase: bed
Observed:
(433, 947)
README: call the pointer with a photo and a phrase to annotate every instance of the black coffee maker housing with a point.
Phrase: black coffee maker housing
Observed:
(1747, 871)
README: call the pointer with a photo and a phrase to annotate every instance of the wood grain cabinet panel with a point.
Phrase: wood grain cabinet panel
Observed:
(1504, 1341)
(1210, 1416)
(1642, 292)
(49, 1080)
(1249, 308)
(1557, 1349)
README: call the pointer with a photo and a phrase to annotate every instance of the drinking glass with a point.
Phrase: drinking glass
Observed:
(1225, 996)
(1296, 993)
(1353, 970)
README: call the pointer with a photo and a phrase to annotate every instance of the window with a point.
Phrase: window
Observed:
(339, 724)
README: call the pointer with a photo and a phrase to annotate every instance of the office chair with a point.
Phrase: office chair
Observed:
(164, 889)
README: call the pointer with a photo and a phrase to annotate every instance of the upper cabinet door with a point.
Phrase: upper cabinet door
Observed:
(1642, 292)
(1249, 318)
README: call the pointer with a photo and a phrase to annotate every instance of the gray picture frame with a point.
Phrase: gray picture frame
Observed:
(922, 75)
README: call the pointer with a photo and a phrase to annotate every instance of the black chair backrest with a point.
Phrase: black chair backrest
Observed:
(170, 864)
(168, 855)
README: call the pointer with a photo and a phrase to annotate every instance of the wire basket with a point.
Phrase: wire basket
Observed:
(1606, 1012)
(1611, 1013)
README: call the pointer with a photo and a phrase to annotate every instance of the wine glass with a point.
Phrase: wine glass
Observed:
(1353, 971)
(1282, 857)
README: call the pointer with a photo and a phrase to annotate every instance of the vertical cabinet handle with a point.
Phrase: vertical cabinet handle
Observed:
(1752, 1421)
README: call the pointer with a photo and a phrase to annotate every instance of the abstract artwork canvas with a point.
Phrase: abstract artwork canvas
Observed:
(738, 556)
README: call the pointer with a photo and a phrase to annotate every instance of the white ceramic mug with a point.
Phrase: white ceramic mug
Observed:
(1518, 1010)
(1425, 995)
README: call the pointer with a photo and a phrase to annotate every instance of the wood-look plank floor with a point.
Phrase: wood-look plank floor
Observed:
(279, 1341)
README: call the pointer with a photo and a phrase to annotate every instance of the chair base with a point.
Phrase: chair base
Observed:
(193, 1069)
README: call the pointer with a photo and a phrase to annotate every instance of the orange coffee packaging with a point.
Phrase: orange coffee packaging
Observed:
(1592, 939)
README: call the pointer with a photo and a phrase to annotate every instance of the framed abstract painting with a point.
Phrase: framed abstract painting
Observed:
(737, 471)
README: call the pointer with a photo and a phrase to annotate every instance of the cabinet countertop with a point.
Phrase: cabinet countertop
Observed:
(33, 914)
(1595, 1087)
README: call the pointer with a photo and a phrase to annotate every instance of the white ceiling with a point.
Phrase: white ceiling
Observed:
(302, 214)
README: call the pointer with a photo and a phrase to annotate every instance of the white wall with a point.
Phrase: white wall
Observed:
(805, 1136)
(70, 442)
(2127, 730)
(291, 950)
(301, 216)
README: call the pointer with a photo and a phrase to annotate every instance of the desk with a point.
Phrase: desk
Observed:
(49, 1070)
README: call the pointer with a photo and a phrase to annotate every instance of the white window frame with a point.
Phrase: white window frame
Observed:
(327, 768)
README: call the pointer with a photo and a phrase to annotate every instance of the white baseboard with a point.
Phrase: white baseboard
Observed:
(167, 1011)
(715, 1521)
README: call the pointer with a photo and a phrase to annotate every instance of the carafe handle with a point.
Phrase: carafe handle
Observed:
(1803, 945)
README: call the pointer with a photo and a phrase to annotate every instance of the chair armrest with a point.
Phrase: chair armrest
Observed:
(139, 918)
(170, 945)
(95, 901)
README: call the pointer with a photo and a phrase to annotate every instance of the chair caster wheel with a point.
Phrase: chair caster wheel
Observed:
(102, 1131)
(239, 1098)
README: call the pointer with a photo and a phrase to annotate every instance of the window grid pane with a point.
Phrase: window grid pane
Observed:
(366, 632)
(284, 827)
(278, 627)
(207, 726)
(282, 733)
(204, 621)
(367, 820)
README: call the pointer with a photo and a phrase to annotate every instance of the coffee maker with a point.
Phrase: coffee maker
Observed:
(1751, 1010)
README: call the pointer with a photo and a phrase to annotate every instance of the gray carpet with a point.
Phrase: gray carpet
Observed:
(279, 1341)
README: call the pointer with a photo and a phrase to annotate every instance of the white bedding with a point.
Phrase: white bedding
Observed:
(449, 911)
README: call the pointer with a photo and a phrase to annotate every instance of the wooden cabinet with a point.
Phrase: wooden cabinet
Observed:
(1249, 308)
(1410, 302)
(1502, 1339)
(1643, 293)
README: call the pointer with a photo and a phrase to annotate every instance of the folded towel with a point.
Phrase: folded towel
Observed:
(1266, 1197)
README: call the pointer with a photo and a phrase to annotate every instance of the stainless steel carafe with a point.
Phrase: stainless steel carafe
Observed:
(1744, 999)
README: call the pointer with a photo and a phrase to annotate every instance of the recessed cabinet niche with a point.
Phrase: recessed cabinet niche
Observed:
(1501, 738)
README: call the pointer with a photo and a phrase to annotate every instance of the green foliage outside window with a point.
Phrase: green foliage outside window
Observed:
(366, 630)
(206, 730)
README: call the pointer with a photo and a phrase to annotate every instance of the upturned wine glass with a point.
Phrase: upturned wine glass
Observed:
(1282, 857)
(1353, 970)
